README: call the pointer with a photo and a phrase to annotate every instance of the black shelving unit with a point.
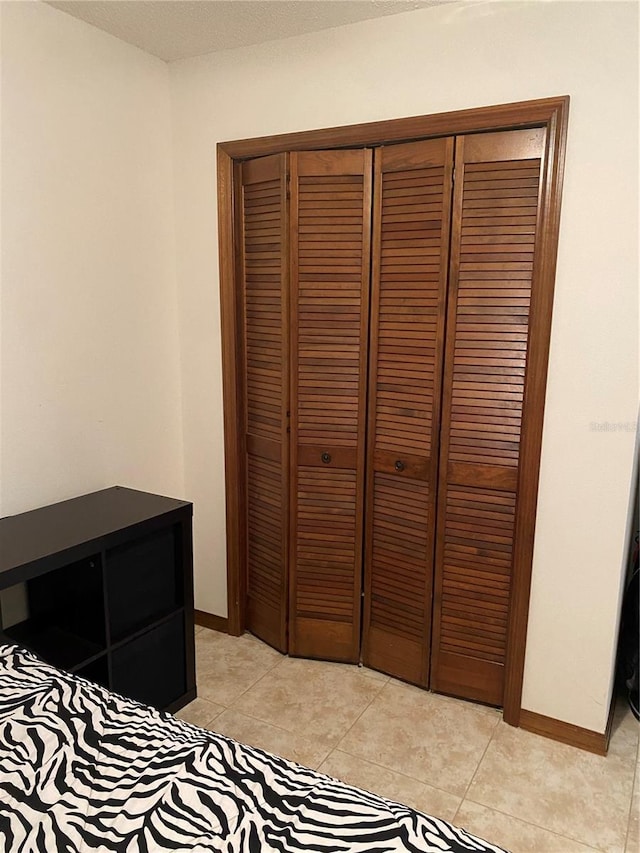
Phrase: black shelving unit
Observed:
(109, 583)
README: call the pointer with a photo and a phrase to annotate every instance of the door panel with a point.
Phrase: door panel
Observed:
(494, 240)
(412, 204)
(330, 256)
(263, 272)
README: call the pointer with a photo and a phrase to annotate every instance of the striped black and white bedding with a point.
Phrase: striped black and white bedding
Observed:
(82, 769)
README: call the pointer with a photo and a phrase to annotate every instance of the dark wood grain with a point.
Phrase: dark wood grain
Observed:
(330, 251)
(501, 262)
(577, 736)
(498, 178)
(211, 621)
(503, 116)
(409, 282)
(263, 229)
(232, 389)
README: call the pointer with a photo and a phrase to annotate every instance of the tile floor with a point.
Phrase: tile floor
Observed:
(452, 759)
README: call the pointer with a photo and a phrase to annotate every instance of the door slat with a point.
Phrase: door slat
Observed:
(492, 264)
(411, 243)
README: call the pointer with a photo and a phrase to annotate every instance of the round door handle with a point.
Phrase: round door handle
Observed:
(326, 458)
(399, 466)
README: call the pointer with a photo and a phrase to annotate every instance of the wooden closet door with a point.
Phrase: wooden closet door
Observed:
(330, 250)
(493, 256)
(412, 206)
(263, 273)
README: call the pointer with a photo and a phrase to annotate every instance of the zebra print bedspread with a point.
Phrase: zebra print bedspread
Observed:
(83, 769)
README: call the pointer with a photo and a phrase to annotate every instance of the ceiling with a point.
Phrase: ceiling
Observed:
(177, 29)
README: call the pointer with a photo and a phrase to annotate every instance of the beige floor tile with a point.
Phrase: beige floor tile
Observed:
(558, 787)
(389, 784)
(363, 671)
(227, 666)
(373, 673)
(513, 834)
(319, 699)
(432, 738)
(198, 628)
(529, 793)
(199, 712)
(633, 836)
(294, 746)
(624, 732)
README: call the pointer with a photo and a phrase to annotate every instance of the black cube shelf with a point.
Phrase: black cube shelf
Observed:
(109, 582)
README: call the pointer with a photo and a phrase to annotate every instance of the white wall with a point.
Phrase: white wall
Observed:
(91, 391)
(424, 62)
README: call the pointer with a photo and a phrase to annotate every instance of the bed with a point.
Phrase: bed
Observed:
(82, 769)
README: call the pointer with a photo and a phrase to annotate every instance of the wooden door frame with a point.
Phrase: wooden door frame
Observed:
(550, 113)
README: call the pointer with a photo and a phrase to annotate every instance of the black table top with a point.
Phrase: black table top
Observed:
(32, 536)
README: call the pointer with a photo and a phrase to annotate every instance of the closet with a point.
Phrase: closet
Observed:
(392, 312)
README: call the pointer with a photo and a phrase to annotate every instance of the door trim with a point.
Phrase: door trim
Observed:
(550, 113)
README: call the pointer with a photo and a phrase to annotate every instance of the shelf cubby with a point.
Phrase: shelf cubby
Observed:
(108, 582)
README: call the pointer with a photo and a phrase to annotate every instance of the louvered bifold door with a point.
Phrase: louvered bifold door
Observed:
(264, 264)
(495, 215)
(330, 228)
(412, 204)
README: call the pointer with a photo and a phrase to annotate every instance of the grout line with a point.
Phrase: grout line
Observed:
(278, 663)
(403, 684)
(253, 683)
(263, 722)
(338, 744)
(327, 756)
(204, 725)
(475, 772)
(396, 772)
(280, 729)
(338, 747)
(528, 822)
(331, 748)
(368, 705)
(537, 826)
(208, 723)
